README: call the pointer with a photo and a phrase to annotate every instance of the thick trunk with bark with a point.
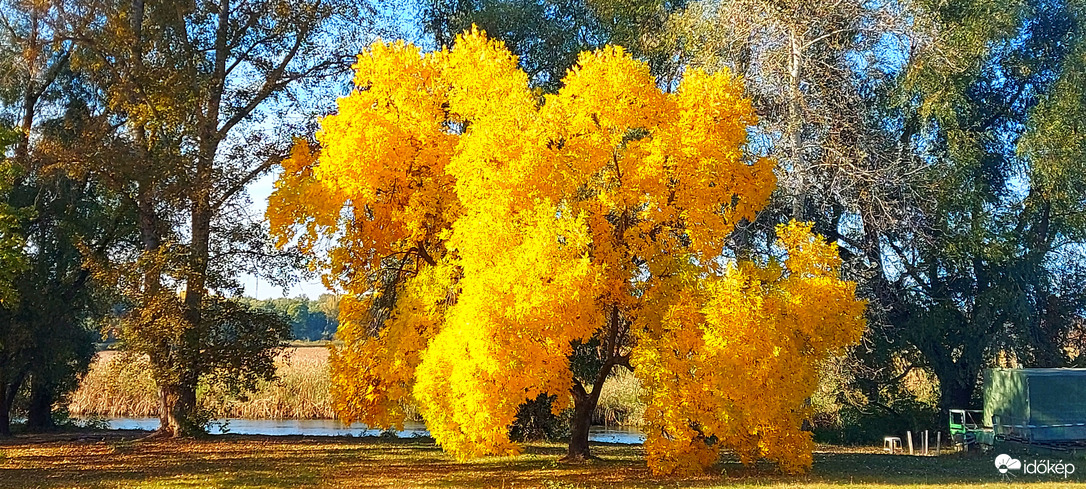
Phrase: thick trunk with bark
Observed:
(955, 396)
(8, 391)
(5, 417)
(956, 389)
(579, 426)
(957, 377)
(176, 411)
(179, 400)
(584, 404)
(39, 416)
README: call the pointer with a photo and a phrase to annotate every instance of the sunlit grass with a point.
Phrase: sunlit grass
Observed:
(111, 460)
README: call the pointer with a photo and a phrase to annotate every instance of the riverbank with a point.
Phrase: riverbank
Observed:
(120, 459)
(331, 427)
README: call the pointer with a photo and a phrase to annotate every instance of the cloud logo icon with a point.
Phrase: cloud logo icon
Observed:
(1005, 463)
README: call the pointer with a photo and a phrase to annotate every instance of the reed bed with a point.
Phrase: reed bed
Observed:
(301, 390)
(117, 385)
(620, 400)
(120, 385)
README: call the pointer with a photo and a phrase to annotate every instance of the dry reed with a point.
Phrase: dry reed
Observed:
(120, 385)
(117, 385)
(620, 400)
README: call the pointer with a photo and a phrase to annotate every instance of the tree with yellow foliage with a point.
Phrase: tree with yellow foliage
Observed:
(486, 236)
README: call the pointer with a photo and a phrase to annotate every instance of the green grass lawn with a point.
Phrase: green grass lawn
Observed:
(115, 459)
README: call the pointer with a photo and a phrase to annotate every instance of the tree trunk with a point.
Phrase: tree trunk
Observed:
(584, 404)
(957, 380)
(176, 411)
(180, 400)
(39, 416)
(5, 417)
(956, 391)
(583, 408)
(7, 400)
(164, 405)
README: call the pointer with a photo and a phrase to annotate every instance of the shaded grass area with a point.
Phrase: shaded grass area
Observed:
(117, 459)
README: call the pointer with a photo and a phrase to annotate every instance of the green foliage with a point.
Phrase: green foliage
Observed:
(56, 219)
(235, 344)
(11, 242)
(994, 276)
(1055, 138)
(547, 35)
(58, 300)
(310, 320)
(535, 421)
(62, 218)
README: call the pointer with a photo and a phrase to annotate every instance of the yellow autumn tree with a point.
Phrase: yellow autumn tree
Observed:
(487, 237)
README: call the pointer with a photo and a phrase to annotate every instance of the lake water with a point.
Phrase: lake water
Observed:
(332, 427)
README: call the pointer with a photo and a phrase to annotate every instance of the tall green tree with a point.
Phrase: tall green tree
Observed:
(61, 218)
(899, 131)
(984, 270)
(11, 247)
(68, 219)
(196, 87)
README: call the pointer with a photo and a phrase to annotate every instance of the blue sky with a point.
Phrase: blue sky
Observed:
(259, 191)
(396, 20)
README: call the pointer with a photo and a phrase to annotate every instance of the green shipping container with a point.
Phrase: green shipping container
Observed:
(1036, 405)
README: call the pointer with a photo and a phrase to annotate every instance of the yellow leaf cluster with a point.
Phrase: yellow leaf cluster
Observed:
(516, 225)
(373, 372)
(735, 359)
(382, 164)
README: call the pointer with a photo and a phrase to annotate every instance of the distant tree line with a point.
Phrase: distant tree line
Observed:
(310, 319)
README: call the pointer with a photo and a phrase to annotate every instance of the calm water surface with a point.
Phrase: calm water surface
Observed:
(332, 427)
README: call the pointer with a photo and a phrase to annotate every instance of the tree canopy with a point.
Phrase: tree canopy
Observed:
(517, 234)
(185, 88)
(921, 138)
(11, 242)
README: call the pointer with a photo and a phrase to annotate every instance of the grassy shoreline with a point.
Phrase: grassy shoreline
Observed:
(120, 459)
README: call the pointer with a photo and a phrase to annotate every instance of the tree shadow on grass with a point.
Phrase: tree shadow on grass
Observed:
(860, 468)
(280, 462)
